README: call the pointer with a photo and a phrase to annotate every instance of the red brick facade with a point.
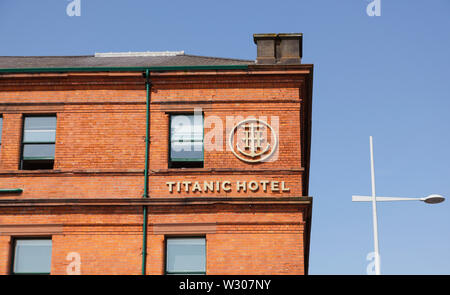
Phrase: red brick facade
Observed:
(92, 201)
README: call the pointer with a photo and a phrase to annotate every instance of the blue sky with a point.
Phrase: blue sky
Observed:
(386, 76)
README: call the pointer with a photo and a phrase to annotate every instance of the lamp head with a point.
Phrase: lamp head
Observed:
(433, 199)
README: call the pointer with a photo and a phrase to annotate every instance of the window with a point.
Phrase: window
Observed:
(38, 144)
(185, 256)
(186, 141)
(32, 256)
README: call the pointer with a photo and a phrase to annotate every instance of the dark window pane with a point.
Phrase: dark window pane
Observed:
(38, 151)
(32, 256)
(186, 164)
(37, 164)
(186, 255)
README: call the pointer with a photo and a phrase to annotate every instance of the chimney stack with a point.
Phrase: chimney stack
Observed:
(278, 48)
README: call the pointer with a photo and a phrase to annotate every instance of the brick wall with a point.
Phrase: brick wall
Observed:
(100, 149)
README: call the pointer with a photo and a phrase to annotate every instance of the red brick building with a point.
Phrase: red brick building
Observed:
(96, 177)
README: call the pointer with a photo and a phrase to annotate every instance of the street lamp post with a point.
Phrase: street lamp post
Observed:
(431, 199)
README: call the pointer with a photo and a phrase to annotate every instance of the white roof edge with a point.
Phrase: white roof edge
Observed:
(145, 53)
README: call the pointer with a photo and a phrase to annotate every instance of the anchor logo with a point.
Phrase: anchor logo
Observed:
(252, 142)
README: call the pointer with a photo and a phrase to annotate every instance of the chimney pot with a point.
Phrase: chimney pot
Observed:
(266, 48)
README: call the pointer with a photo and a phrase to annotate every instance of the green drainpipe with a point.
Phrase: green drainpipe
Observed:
(147, 131)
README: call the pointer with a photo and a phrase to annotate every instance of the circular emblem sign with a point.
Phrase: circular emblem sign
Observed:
(252, 141)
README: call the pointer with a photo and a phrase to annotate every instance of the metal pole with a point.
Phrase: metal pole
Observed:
(374, 212)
